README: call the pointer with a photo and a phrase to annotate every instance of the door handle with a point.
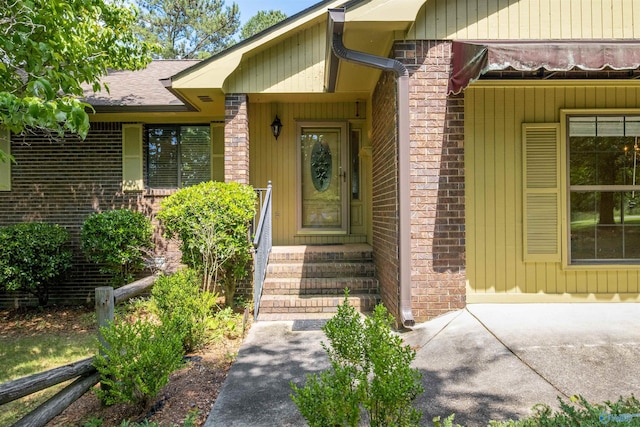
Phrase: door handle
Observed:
(343, 174)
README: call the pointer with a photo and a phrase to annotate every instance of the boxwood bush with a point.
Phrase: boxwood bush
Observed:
(577, 412)
(183, 305)
(136, 361)
(33, 258)
(117, 240)
(212, 221)
(370, 379)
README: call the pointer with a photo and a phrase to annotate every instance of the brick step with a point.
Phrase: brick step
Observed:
(319, 286)
(328, 253)
(320, 269)
(314, 303)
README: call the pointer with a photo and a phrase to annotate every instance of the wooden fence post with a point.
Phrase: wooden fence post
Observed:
(105, 306)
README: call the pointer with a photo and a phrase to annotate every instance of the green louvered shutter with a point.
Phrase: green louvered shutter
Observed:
(541, 167)
(132, 172)
(217, 152)
(5, 166)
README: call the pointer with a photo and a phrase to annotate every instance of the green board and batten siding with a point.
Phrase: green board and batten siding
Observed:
(499, 267)
(276, 161)
(295, 65)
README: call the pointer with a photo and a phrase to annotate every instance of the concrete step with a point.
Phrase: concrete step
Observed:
(320, 269)
(270, 304)
(309, 281)
(319, 286)
(323, 253)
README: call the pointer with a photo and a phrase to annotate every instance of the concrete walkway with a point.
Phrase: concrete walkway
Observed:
(485, 362)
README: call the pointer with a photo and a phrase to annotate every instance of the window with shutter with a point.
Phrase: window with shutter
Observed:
(178, 155)
(541, 192)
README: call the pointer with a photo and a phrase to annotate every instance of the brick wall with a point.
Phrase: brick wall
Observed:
(437, 181)
(385, 190)
(236, 139)
(63, 181)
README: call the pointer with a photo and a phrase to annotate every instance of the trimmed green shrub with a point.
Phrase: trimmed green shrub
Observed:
(580, 413)
(136, 361)
(226, 323)
(576, 413)
(212, 221)
(184, 306)
(33, 258)
(370, 373)
(117, 240)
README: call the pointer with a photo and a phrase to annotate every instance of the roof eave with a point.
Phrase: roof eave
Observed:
(229, 59)
(142, 108)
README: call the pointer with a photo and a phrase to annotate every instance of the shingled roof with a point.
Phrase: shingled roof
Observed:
(141, 90)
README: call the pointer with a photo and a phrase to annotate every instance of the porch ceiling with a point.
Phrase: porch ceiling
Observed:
(372, 27)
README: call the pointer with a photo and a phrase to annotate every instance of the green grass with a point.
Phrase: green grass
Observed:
(34, 352)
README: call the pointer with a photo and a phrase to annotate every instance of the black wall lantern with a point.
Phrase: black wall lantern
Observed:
(276, 127)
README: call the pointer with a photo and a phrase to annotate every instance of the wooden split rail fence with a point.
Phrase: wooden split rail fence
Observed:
(87, 376)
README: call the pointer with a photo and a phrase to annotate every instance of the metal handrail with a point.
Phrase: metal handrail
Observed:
(262, 243)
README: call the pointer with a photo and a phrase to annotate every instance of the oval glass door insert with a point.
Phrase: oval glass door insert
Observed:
(321, 166)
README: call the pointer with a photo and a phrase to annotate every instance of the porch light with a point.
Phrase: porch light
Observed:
(276, 127)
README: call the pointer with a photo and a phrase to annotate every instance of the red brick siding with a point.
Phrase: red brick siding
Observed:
(385, 191)
(236, 138)
(437, 181)
(64, 181)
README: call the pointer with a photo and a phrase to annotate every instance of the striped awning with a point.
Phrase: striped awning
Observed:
(472, 59)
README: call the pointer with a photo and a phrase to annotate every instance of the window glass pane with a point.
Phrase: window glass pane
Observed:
(605, 226)
(610, 126)
(178, 156)
(162, 160)
(195, 155)
(582, 161)
(632, 126)
(583, 219)
(601, 160)
(355, 164)
(582, 126)
(612, 160)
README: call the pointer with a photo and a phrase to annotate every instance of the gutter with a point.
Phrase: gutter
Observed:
(339, 51)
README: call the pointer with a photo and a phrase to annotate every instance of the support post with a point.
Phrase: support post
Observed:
(105, 306)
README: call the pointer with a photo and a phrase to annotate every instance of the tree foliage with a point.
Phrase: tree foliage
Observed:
(261, 21)
(187, 29)
(49, 48)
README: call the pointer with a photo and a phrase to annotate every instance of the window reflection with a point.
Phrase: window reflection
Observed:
(604, 201)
